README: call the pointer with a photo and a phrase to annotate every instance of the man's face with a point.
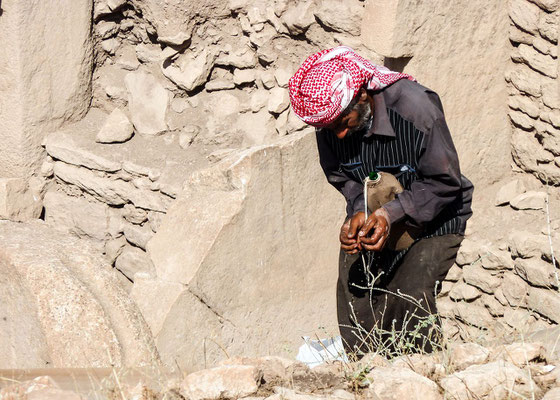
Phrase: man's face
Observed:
(350, 122)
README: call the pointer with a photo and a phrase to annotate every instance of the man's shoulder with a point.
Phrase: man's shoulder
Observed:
(414, 102)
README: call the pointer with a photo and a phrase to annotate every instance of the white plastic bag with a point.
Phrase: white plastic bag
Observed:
(316, 352)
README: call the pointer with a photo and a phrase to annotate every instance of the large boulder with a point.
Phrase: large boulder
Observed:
(64, 307)
(252, 244)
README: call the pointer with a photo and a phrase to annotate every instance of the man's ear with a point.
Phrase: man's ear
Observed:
(363, 95)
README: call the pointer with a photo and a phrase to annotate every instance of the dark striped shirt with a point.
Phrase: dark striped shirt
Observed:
(410, 139)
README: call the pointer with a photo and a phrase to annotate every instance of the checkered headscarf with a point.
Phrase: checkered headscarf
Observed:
(327, 82)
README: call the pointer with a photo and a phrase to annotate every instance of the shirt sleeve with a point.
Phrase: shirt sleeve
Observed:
(438, 183)
(352, 191)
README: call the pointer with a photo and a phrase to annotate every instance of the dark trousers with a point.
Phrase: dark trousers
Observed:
(394, 314)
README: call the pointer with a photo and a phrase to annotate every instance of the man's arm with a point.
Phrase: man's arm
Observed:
(439, 181)
(352, 191)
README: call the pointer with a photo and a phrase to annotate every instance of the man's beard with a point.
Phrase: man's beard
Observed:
(364, 117)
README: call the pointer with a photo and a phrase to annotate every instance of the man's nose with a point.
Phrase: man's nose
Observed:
(341, 132)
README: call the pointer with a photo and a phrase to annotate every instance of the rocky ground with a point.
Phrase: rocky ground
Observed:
(520, 370)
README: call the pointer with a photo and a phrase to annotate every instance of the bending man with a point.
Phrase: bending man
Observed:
(370, 119)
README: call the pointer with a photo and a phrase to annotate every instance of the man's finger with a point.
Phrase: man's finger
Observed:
(368, 226)
(354, 225)
(380, 243)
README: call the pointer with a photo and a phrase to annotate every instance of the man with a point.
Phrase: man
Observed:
(370, 119)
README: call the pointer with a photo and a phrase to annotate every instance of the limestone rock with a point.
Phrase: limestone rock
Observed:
(548, 5)
(525, 79)
(274, 370)
(61, 146)
(76, 215)
(468, 252)
(242, 58)
(155, 299)
(278, 101)
(113, 248)
(463, 355)
(132, 261)
(282, 76)
(423, 364)
(474, 315)
(454, 274)
(347, 20)
(509, 191)
(17, 202)
(299, 18)
(179, 256)
(494, 306)
(117, 128)
(496, 380)
(529, 201)
(514, 290)
(537, 272)
(72, 312)
(524, 104)
(538, 61)
(190, 70)
(243, 76)
(126, 58)
(545, 302)
(138, 235)
(496, 260)
(234, 381)
(519, 354)
(148, 102)
(549, 337)
(462, 291)
(476, 275)
(521, 120)
(401, 383)
(112, 192)
(548, 27)
(525, 245)
(525, 15)
(174, 20)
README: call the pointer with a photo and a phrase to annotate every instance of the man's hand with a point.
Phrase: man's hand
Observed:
(348, 233)
(379, 221)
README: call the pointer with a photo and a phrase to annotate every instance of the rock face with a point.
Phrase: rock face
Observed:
(233, 206)
(65, 307)
(46, 64)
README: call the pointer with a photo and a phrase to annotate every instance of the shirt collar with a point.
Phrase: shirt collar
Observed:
(381, 124)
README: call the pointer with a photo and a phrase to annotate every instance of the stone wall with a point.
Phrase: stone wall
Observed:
(45, 81)
(508, 285)
(534, 99)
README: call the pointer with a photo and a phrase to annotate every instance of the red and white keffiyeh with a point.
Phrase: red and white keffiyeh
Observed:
(327, 82)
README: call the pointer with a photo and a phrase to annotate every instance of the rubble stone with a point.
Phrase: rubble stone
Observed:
(468, 252)
(514, 289)
(548, 27)
(525, 15)
(138, 235)
(299, 18)
(278, 101)
(496, 380)
(190, 70)
(476, 275)
(401, 383)
(132, 261)
(148, 101)
(547, 5)
(519, 354)
(76, 215)
(17, 202)
(538, 61)
(529, 201)
(537, 272)
(463, 355)
(462, 291)
(525, 79)
(496, 260)
(117, 128)
(232, 381)
(349, 21)
(545, 302)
